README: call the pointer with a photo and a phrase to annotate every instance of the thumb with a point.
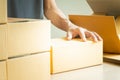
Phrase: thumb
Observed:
(69, 35)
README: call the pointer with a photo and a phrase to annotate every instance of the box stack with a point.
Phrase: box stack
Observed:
(28, 46)
(24, 47)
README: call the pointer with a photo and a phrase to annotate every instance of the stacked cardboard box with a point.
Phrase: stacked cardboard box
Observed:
(3, 11)
(3, 34)
(3, 70)
(24, 47)
(32, 36)
(31, 67)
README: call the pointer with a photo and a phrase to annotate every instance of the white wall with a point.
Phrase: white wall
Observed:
(70, 7)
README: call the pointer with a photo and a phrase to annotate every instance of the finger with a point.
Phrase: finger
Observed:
(69, 35)
(98, 37)
(82, 35)
(93, 36)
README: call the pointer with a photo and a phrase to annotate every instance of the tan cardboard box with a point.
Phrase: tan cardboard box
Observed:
(106, 26)
(3, 44)
(28, 36)
(3, 75)
(74, 54)
(31, 67)
(3, 11)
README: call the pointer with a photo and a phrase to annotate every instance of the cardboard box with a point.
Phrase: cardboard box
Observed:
(105, 20)
(3, 75)
(3, 44)
(3, 11)
(106, 26)
(28, 36)
(31, 67)
(114, 58)
(74, 54)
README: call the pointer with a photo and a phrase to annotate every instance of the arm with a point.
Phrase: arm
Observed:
(57, 17)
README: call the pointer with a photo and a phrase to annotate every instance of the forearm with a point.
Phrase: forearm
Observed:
(56, 15)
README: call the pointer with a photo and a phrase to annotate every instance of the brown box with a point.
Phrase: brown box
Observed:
(3, 75)
(31, 67)
(106, 26)
(3, 44)
(3, 11)
(27, 36)
(74, 54)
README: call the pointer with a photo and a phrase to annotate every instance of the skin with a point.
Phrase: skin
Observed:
(57, 17)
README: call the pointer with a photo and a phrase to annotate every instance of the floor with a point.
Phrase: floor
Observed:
(107, 71)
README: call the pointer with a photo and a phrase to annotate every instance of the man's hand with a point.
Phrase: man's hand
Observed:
(76, 31)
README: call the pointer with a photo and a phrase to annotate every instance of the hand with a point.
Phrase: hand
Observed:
(76, 31)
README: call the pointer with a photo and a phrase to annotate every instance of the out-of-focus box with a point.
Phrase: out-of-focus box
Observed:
(3, 75)
(3, 44)
(74, 54)
(31, 67)
(114, 58)
(3, 11)
(27, 36)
